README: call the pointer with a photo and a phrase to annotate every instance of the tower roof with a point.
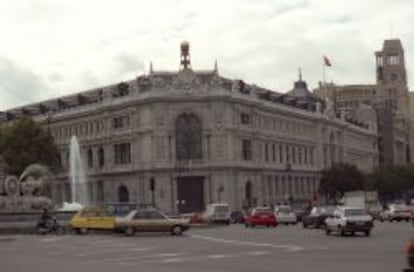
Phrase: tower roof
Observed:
(392, 45)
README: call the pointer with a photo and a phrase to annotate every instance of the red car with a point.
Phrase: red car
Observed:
(261, 216)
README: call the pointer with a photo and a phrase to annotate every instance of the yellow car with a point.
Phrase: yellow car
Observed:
(92, 219)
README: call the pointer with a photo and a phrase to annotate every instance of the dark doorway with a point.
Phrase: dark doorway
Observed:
(248, 193)
(190, 194)
(123, 194)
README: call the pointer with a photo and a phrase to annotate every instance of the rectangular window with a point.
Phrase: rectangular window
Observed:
(122, 153)
(245, 118)
(273, 153)
(280, 153)
(311, 156)
(266, 152)
(90, 158)
(100, 191)
(393, 59)
(120, 122)
(247, 150)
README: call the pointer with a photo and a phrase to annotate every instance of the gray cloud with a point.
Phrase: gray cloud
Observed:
(262, 41)
(128, 63)
(18, 84)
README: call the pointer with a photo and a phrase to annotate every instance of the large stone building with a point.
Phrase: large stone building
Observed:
(187, 138)
(389, 97)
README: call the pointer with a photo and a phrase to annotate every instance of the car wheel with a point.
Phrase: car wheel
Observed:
(177, 230)
(252, 225)
(406, 220)
(83, 231)
(341, 231)
(352, 233)
(60, 230)
(274, 225)
(129, 231)
(367, 233)
(327, 231)
(246, 225)
(304, 225)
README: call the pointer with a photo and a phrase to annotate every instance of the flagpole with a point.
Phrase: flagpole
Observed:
(323, 71)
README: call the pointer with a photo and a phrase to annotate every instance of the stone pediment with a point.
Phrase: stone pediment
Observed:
(187, 81)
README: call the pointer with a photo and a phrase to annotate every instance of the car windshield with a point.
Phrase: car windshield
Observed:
(222, 208)
(285, 209)
(327, 210)
(259, 211)
(354, 212)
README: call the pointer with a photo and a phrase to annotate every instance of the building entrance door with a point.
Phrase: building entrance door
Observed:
(190, 194)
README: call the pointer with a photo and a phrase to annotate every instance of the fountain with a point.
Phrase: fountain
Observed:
(77, 174)
(23, 198)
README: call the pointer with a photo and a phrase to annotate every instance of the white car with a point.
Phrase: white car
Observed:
(395, 212)
(285, 215)
(349, 220)
(217, 213)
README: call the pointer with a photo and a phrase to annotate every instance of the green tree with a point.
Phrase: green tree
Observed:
(24, 143)
(340, 178)
(392, 181)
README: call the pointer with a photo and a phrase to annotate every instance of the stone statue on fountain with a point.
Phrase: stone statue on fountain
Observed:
(28, 193)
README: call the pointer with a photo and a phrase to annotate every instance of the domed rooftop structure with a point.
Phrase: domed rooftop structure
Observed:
(300, 90)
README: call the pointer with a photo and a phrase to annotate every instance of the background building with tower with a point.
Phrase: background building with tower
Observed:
(385, 104)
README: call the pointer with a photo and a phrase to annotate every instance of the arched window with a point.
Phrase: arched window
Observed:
(188, 132)
(123, 194)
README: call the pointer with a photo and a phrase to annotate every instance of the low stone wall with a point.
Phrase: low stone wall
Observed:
(25, 223)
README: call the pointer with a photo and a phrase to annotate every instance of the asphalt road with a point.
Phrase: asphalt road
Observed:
(233, 248)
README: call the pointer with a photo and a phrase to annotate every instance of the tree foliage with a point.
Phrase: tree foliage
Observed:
(25, 143)
(340, 178)
(393, 181)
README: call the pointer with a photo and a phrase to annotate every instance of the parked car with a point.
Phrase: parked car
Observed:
(149, 220)
(349, 220)
(261, 216)
(316, 217)
(90, 218)
(217, 213)
(285, 215)
(237, 217)
(395, 212)
(412, 216)
(410, 256)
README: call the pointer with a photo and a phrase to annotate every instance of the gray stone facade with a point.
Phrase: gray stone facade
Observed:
(201, 138)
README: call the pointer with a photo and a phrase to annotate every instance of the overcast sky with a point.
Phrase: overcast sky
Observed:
(50, 48)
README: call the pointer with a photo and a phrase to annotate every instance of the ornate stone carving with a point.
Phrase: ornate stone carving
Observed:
(12, 186)
(186, 80)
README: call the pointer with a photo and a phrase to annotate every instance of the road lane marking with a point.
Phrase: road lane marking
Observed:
(217, 256)
(288, 248)
(172, 260)
(258, 253)
(173, 254)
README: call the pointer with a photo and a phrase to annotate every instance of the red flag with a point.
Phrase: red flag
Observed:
(326, 61)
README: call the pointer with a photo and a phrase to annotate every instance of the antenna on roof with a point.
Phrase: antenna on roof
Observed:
(215, 66)
(300, 74)
(151, 70)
